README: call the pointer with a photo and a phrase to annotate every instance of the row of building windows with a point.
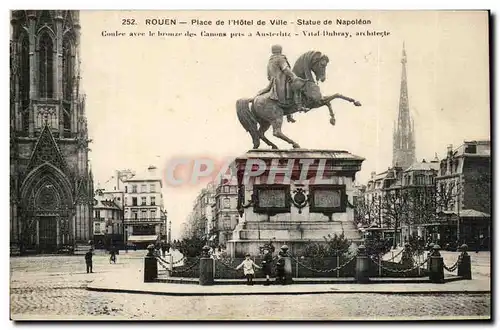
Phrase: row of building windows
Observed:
(109, 214)
(144, 188)
(143, 214)
(152, 201)
(229, 189)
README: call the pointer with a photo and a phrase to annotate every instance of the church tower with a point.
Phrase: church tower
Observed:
(51, 194)
(403, 151)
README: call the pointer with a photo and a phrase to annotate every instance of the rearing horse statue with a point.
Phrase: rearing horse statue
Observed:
(265, 112)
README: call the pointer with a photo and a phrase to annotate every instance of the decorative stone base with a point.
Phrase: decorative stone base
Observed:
(294, 197)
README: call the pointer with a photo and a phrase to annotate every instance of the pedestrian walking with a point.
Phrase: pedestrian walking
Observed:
(88, 261)
(112, 257)
(266, 265)
(248, 268)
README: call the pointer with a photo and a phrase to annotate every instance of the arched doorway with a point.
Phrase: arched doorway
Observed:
(46, 224)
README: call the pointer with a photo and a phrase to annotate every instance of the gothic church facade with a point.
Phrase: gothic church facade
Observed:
(51, 192)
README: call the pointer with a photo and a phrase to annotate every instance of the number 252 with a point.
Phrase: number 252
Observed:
(128, 21)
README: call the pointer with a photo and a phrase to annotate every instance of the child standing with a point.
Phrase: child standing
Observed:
(248, 268)
(266, 265)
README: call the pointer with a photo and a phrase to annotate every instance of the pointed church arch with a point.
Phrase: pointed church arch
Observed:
(48, 180)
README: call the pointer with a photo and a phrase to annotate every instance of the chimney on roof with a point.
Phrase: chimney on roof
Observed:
(450, 148)
(152, 169)
(436, 158)
(372, 174)
(423, 161)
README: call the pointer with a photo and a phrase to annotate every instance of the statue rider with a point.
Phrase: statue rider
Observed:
(280, 77)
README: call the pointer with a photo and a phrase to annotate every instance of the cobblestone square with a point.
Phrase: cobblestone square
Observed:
(53, 287)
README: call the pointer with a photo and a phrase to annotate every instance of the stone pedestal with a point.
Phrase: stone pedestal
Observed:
(150, 266)
(293, 197)
(362, 266)
(206, 271)
(464, 264)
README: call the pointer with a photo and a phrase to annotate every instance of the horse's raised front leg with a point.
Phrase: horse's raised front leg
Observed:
(277, 132)
(327, 99)
(332, 115)
(262, 130)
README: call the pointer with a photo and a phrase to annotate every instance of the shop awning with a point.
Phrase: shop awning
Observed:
(142, 238)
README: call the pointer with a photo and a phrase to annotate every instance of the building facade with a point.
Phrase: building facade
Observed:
(108, 223)
(226, 210)
(51, 192)
(403, 152)
(419, 187)
(464, 192)
(145, 217)
(214, 214)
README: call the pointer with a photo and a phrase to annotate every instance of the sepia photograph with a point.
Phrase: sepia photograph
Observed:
(232, 165)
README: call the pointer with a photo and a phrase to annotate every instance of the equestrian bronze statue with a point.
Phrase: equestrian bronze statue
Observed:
(288, 92)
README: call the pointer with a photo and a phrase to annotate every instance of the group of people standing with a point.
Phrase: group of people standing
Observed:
(249, 266)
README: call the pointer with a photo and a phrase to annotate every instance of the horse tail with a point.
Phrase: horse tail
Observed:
(245, 116)
(247, 119)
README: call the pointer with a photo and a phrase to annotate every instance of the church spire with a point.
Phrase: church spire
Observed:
(404, 139)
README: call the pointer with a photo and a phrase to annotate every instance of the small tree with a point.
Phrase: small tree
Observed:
(337, 244)
(395, 208)
(191, 247)
(366, 211)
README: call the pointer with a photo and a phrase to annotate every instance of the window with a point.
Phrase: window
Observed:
(471, 149)
(152, 188)
(134, 214)
(24, 82)
(233, 190)
(134, 188)
(225, 189)
(144, 188)
(45, 66)
(153, 214)
(153, 200)
(134, 201)
(227, 203)
(67, 64)
(126, 189)
(125, 201)
(144, 214)
(419, 180)
(143, 200)
(97, 213)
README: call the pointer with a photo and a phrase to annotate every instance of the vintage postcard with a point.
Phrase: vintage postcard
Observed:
(250, 165)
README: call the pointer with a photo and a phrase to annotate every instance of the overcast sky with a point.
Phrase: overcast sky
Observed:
(152, 99)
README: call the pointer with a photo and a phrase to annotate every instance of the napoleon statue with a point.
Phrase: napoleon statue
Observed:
(281, 78)
(289, 90)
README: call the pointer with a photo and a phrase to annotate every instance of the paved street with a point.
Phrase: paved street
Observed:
(54, 287)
